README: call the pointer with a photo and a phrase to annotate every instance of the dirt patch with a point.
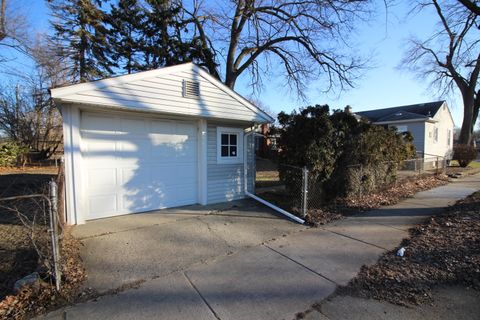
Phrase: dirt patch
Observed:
(444, 251)
(29, 170)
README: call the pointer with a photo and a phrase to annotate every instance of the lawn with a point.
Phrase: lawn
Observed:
(473, 164)
(266, 174)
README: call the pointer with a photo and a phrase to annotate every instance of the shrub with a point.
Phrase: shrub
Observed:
(343, 155)
(11, 154)
(464, 154)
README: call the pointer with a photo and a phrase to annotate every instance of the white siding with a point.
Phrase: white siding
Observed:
(445, 126)
(224, 181)
(163, 93)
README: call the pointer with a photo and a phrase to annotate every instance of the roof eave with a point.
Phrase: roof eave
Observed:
(430, 120)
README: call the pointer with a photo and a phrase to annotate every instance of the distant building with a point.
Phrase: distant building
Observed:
(431, 125)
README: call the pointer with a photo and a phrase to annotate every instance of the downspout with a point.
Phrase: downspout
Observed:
(245, 177)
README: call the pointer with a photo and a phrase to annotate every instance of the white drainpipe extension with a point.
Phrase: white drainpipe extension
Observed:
(245, 177)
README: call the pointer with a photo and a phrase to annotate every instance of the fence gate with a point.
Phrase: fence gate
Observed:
(261, 194)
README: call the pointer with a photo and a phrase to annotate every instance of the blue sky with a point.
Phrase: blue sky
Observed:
(383, 85)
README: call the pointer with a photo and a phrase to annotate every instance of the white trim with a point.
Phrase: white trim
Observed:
(230, 160)
(449, 113)
(121, 107)
(232, 93)
(202, 161)
(73, 171)
(430, 120)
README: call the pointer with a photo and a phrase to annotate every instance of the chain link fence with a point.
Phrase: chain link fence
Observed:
(31, 212)
(298, 190)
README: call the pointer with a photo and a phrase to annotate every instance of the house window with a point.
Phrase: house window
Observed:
(229, 145)
(449, 138)
(402, 129)
(435, 135)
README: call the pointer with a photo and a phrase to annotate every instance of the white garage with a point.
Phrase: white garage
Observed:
(157, 139)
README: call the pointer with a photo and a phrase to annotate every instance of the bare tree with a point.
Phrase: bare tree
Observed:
(471, 5)
(27, 113)
(450, 57)
(14, 29)
(306, 38)
(3, 15)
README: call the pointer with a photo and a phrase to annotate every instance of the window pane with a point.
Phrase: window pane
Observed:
(224, 138)
(233, 139)
(233, 151)
(224, 151)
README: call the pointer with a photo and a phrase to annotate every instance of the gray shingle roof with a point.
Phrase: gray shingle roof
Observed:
(421, 111)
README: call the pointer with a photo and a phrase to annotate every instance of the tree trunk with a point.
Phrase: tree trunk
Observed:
(468, 119)
(230, 80)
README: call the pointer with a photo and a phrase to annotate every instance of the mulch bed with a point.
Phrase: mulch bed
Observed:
(443, 251)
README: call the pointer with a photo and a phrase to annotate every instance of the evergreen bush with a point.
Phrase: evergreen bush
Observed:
(343, 155)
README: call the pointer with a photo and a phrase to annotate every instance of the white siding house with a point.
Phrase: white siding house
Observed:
(431, 125)
(155, 139)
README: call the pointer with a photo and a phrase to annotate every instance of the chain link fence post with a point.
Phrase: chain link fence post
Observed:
(304, 191)
(53, 211)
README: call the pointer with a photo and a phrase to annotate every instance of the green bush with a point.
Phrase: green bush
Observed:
(464, 154)
(11, 154)
(343, 155)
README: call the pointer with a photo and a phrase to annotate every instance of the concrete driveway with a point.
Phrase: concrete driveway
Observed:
(125, 250)
(238, 261)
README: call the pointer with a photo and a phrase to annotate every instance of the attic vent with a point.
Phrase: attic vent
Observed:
(191, 89)
(398, 114)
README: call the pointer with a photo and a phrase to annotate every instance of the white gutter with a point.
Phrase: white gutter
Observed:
(268, 204)
(274, 207)
(430, 120)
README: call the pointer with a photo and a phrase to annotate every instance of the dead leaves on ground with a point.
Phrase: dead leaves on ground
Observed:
(32, 301)
(444, 251)
(392, 195)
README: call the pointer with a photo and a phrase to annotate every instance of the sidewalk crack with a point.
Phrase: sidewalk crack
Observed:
(302, 265)
(352, 238)
(201, 296)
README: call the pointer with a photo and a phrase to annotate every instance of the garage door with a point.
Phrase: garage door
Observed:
(137, 164)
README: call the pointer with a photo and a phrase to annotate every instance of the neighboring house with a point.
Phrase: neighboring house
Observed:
(155, 139)
(265, 141)
(431, 125)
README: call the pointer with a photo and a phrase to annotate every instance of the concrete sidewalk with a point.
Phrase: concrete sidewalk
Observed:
(278, 278)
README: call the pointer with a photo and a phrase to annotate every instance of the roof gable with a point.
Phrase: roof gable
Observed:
(421, 111)
(162, 90)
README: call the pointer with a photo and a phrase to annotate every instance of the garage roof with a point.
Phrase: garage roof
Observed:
(184, 89)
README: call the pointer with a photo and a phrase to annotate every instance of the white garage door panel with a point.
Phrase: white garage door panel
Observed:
(135, 165)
